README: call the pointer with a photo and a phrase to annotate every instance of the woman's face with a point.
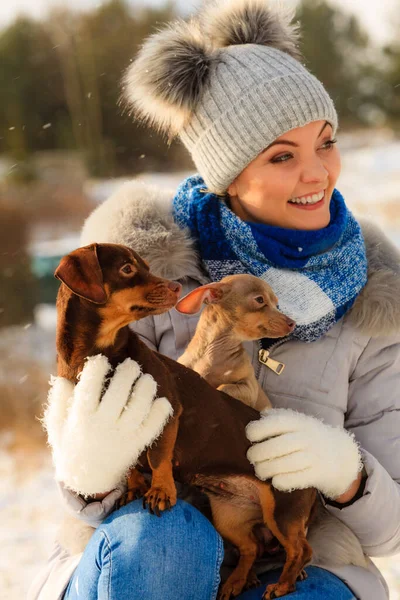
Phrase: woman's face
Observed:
(290, 183)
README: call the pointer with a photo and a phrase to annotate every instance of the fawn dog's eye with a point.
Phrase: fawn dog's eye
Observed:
(127, 269)
(259, 299)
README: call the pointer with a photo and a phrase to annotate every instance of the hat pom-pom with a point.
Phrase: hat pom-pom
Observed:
(167, 79)
(235, 22)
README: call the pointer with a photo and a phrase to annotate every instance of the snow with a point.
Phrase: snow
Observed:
(54, 247)
(99, 190)
(29, 513)
(29, 504)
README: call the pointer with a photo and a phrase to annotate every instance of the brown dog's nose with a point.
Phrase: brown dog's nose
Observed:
(175, 287)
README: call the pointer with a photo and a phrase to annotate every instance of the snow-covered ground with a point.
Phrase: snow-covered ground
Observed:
(29, 505)
(29, 512)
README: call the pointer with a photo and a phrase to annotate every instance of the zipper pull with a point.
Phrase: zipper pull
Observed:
(274, 365)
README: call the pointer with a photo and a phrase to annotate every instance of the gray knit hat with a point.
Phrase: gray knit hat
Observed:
(228, 83)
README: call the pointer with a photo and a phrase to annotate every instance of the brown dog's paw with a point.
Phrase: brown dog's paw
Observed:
(133, 494)
(302, 575)
(158, 500)
(231, 588)
(276, 590)
(137, 488)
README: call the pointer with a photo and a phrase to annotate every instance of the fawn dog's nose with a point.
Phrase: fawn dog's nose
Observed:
(291, 323)
(175, 287)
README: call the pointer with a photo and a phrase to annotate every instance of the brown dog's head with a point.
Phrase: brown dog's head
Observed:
(247, 301)
(117, 281)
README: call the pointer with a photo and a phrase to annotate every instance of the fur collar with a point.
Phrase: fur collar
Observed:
(140, 216)
(376, 311)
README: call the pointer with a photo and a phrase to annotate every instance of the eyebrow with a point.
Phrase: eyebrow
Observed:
(289, 143)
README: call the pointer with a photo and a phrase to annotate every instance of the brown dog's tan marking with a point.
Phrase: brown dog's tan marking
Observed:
(162, 493)
(205, 438)
(236, 525)
(137, 487)
(117, 314)
(283, 513)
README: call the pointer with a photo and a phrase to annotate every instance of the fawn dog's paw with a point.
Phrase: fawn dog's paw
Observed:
(158, 499)
(276, 590)
(231, 588)
(252, 580)
(302, 575)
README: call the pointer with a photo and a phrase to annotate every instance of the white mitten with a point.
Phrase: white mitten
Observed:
(95, 439)
(297, 451)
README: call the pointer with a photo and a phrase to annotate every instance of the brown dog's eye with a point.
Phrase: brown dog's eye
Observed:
(127, 269)
(259, 299)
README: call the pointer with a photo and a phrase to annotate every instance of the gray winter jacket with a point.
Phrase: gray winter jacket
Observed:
(350, 377)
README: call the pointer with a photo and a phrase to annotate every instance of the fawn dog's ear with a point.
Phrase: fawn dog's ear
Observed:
(205, 294)
(80, 271)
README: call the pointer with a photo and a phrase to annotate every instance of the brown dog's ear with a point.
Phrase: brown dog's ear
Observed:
(80, 271)
(205, 294)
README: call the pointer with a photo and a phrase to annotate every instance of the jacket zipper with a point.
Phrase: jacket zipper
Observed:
(265, 359)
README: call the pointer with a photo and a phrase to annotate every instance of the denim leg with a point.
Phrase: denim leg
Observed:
(138, 556)
(319, 585)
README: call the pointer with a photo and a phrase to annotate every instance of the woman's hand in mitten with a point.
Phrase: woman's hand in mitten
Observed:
(297, 451)
(96, 438)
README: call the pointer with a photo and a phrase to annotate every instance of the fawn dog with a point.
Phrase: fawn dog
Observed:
(105, 287)
(239, 308)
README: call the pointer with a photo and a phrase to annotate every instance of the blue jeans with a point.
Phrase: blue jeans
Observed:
(137, 556)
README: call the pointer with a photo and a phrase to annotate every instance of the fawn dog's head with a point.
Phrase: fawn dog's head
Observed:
(116, 283)
(246, 301)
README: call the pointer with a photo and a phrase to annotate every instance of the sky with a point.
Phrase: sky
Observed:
(378, 16)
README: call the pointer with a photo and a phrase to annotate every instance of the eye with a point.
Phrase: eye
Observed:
(127, 269)
(282, 158)
(259, 299)
(328, 144)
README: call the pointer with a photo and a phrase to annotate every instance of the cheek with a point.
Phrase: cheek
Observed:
(335, 165)
(251, 190)
(263, 186)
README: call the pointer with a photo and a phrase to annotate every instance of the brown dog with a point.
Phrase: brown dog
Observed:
(239, 308)
(105, 287)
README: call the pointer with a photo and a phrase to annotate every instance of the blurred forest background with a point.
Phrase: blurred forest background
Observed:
(61, 123)
(64, 138)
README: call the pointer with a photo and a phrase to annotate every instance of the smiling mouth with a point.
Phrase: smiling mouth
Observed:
(310, 200)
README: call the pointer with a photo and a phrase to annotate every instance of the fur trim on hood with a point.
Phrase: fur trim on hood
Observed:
(140, 216)
(377, 308)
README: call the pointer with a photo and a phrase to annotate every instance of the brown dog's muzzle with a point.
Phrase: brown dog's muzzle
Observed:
(163, 293)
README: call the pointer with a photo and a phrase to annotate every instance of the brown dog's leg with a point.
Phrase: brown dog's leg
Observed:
(235, 523)
(137, 487)
(289, 526)
(162, 493)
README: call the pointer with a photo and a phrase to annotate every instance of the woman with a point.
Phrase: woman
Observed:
(261, 130)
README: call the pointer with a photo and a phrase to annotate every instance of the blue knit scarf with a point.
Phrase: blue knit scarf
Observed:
(316, 275)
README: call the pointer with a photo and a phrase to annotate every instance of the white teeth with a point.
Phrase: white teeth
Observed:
(308, 199)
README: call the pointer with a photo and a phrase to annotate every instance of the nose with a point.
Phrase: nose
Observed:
(175, 287)
(290, 323)
(314, 171)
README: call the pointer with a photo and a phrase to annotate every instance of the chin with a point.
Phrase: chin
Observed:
(321, 224)
(314, 223)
